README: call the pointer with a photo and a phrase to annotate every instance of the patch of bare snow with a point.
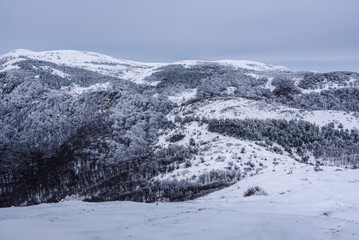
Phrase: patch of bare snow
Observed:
(239, 108)
(77, 90)
(59, 73)
(269, 84)
(219, 152)
(183, 96)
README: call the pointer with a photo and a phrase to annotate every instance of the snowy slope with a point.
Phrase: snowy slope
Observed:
(245, 64)
(129, 70)
(183, 96)
(218, 152)
(302, 205)
(77, 90)
(100, 63)
(240, 108)
(353, 81)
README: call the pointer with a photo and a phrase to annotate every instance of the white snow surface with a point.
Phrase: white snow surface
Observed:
(183, 96)
(252, 65)
(59, 73)
(78, 90)
(269, 84)
(240, 108)
(303, 204)
(219, 152)
(246, 64)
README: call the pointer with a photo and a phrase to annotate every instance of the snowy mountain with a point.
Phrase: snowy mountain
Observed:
(96, 128)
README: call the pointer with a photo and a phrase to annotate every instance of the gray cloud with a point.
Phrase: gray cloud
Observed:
(318, 35)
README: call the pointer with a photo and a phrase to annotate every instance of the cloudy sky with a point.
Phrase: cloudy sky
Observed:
(320, 35)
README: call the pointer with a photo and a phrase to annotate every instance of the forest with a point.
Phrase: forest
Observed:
(101, 144)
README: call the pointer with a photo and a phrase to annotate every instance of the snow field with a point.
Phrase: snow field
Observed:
(302, 205)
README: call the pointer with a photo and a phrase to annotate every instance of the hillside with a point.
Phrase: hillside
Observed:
(98, 128)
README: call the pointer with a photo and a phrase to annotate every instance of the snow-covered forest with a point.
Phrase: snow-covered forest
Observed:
(87, 125)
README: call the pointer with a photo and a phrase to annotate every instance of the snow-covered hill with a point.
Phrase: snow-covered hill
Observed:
(125, 69)
(100, 63)
(101, 128)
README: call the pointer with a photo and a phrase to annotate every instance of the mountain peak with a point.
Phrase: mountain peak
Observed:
(18, 52)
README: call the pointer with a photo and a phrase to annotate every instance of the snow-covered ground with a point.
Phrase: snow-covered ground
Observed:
(303, 204)
(240, 108)
(224, 153)
(77, 90)
(219, 152)
(183, 96)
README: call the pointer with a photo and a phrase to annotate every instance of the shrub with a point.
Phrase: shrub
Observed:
(176, 137)
(277, 150)
(192, 142)
(252, 191)
(243, 150)
(188, 164)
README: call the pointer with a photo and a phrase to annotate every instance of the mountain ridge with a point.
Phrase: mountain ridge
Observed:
(43, 54)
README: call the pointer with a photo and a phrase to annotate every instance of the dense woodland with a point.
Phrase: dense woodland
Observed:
(328, 143)
(101, 145)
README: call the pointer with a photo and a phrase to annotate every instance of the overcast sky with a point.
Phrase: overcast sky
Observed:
(320, 35)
